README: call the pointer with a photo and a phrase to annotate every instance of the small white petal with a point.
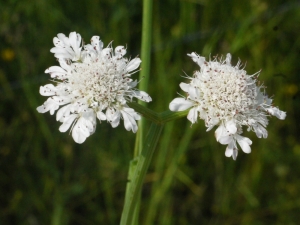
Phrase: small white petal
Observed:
(220, 131)
(80, 132)
(234, 153)
(193, 93)
(68, 121)
(97, 43)
(67, 47)
(260, 131)
(244, 142)
(228, 59)
(276, 112)
(210, 127)
(229, 149)
(55, 69)
(59, 41)
(60, 50)
(222, 135)
(65, 41)
(57, 72)
(113, 117)
(101, 115)
(129, 121)
(133, 64)
(180, 104)
(49, 105)
(185, 87)
(89, 120)
(73, 40)
(231, 126)
(110, 114)
(64, 55)
(41, 109)
(63, 112)
(116, 121)
(131, 112)
(105, 53)
(142, 96)
(196, 58)
(120, 51)
(48, 90)
(133, 84)
(192, 115)
(84, 127)
(224, 140)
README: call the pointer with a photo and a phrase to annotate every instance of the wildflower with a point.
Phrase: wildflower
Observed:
(91, 82)
(225, 96)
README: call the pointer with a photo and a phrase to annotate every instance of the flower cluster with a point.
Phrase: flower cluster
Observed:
(225, 96)
(91, 82)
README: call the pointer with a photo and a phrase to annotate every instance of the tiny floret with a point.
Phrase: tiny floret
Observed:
(91, 82)
(225, 96)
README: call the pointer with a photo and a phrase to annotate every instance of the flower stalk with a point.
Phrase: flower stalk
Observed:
(142, 164)
(139, 165)
(158, 118)
(144, 78)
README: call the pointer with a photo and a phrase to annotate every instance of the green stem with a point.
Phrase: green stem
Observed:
(146, 45)
(58, 211)
(145, 67)
(145, 112)
(141, 167)
(144, 78)
(159, 118)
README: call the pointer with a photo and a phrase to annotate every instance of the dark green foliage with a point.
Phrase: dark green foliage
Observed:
(46, 178)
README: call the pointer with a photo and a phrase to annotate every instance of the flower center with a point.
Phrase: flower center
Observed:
(101, 83)
(226, 90)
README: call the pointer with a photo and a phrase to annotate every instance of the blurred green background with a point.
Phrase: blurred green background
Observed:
(46, 178)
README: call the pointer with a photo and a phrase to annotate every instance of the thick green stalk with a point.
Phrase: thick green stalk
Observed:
(145, 67)
(143, 162)
(143, 85)
(146, 45)
(139, 165)
(58, 210)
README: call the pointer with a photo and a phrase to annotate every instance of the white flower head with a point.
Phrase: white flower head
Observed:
(91, 82)
(225, 96)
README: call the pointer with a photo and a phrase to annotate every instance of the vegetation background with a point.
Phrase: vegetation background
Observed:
(46, 178)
